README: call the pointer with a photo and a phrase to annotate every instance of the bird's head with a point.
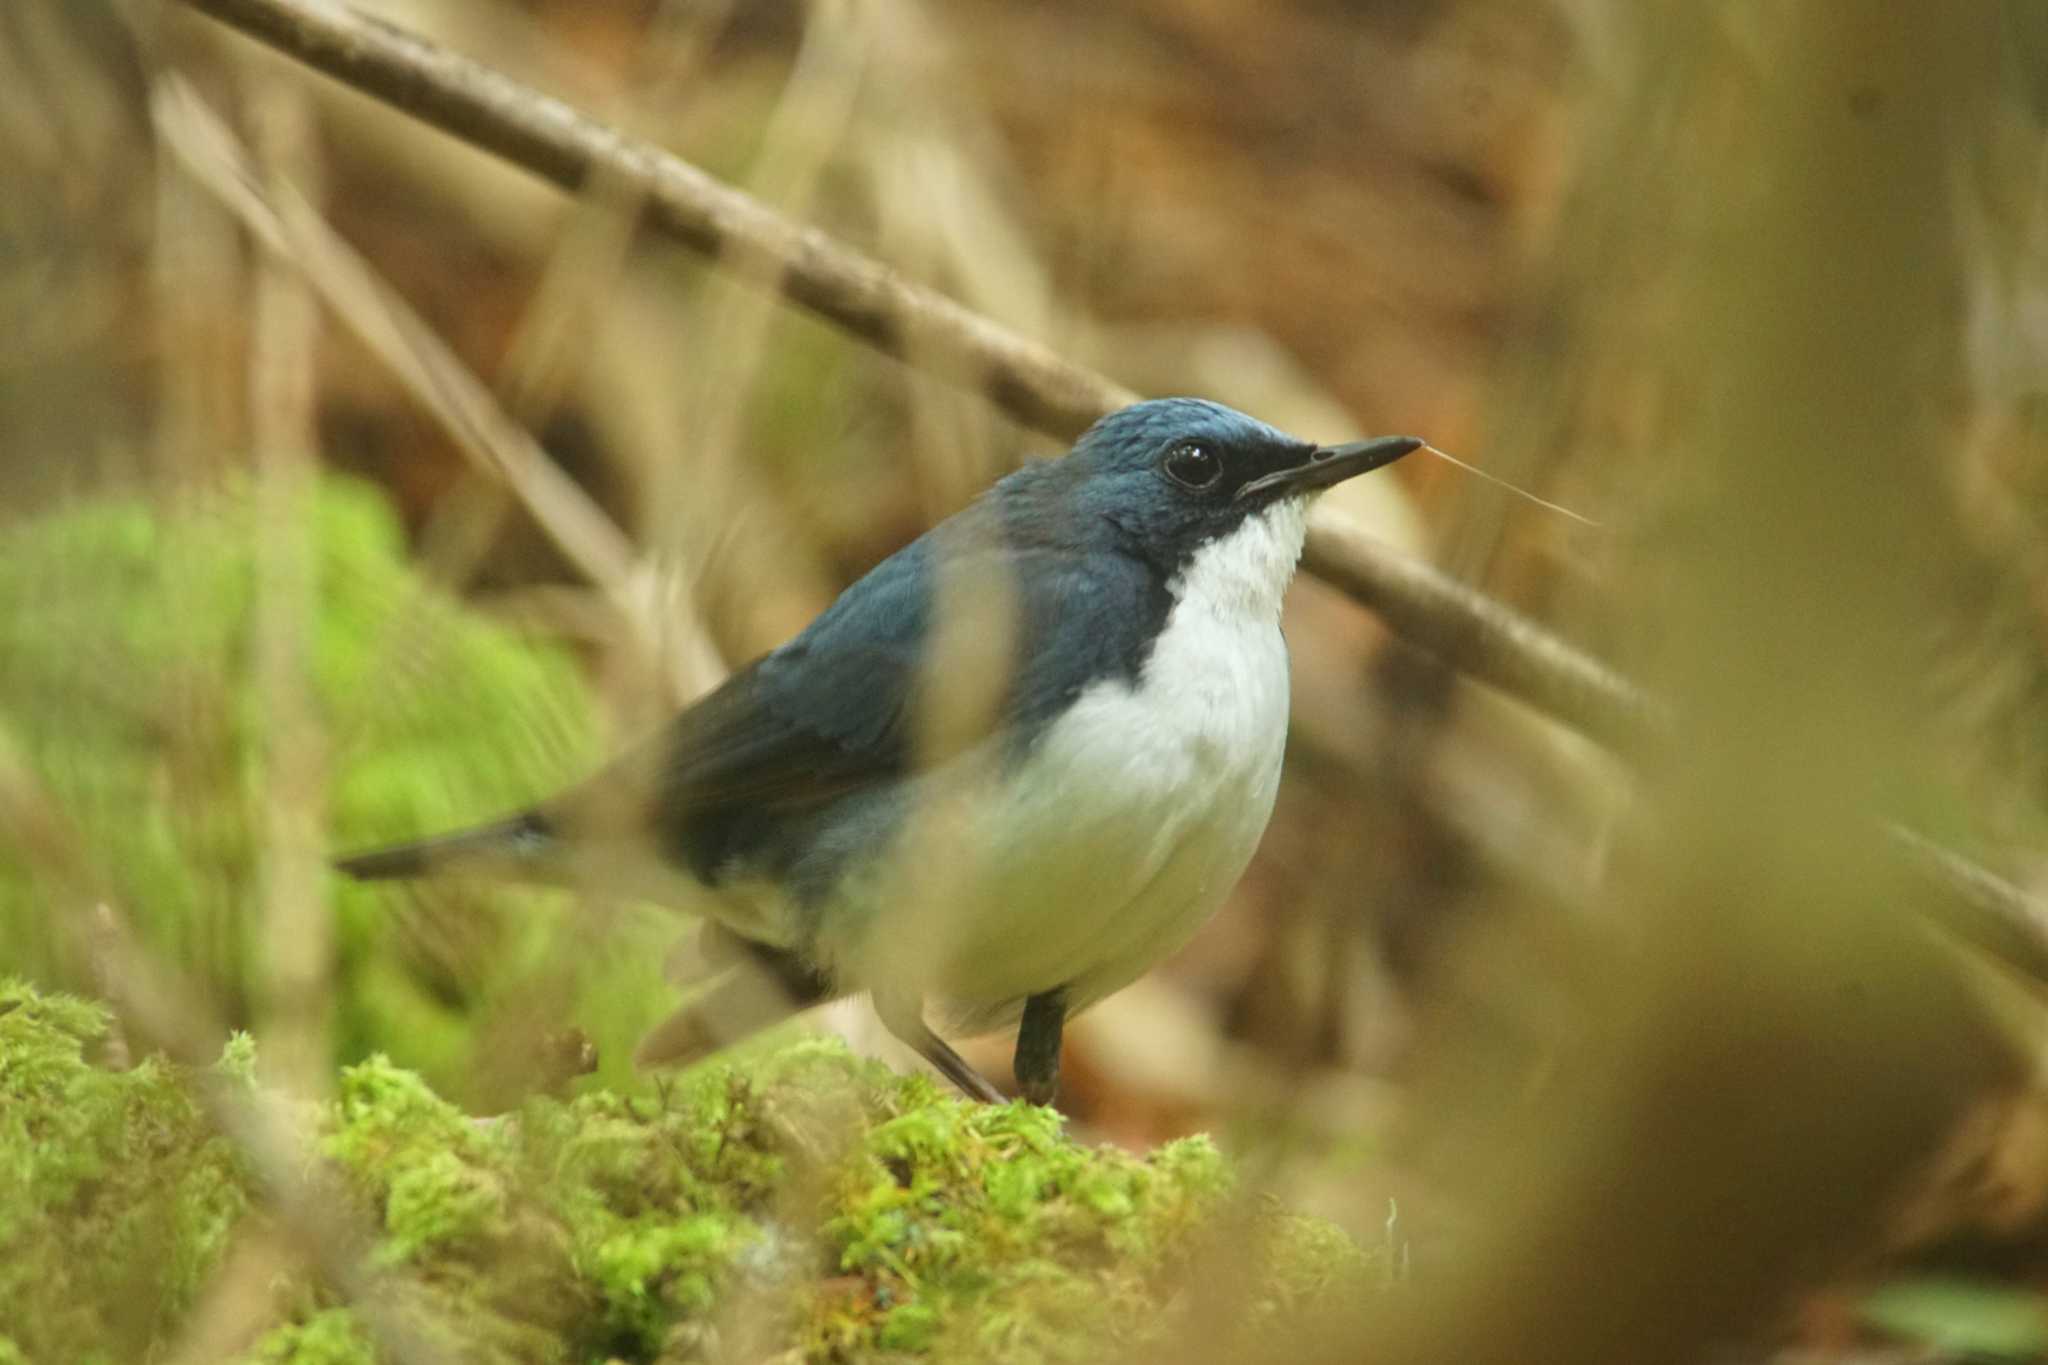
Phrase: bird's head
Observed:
(1185, 478)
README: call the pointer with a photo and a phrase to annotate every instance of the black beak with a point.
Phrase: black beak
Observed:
(1329, 465)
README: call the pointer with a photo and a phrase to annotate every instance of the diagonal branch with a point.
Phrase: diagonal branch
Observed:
(1037, 387)
(562, 144)
(1483, 637)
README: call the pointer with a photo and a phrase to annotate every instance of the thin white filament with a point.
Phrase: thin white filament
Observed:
(1512, 488)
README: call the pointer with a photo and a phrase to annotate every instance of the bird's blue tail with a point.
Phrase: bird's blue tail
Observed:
(485, 848)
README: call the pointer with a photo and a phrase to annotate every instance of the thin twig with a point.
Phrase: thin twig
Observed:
(1037, 387)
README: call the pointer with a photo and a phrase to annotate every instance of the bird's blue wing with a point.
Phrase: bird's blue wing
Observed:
(835, 711)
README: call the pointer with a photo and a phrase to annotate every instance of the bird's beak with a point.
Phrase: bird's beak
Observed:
(1329, 465)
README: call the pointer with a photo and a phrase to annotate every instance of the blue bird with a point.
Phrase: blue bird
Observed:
(1001, 777)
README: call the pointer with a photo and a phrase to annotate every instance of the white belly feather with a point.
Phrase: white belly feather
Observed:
(1125, 827)
(1133, 819)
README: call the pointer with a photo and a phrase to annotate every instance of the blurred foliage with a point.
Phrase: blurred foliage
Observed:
(836, 1209)
(1975, 1319)
(125, 649)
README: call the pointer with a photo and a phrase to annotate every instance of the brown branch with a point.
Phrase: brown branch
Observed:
(1483, 638)
(1038, 388)
(562, 144)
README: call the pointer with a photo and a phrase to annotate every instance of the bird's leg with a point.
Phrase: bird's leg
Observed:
(905, 1019)
(1037, 1062)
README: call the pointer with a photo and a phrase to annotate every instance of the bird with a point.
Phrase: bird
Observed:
(1006, 772)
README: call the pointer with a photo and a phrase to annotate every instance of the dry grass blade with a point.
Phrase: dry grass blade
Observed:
(298, 933)
(237, 1306)
(422, 362)
(723, 359)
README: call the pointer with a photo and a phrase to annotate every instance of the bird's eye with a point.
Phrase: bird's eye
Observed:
(1193, 465)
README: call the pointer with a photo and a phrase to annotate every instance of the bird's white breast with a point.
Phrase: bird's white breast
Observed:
(1131, 818)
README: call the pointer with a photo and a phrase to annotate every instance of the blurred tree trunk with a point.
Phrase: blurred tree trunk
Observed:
(1788, 1045)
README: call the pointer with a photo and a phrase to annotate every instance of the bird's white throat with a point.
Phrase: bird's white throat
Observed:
(1246, 573)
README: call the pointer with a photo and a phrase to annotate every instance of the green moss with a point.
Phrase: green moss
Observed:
(979, 1229)
(805, 1205)
(332, 1337)
(127, 638)
(115, 1199)
(328, 1337)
